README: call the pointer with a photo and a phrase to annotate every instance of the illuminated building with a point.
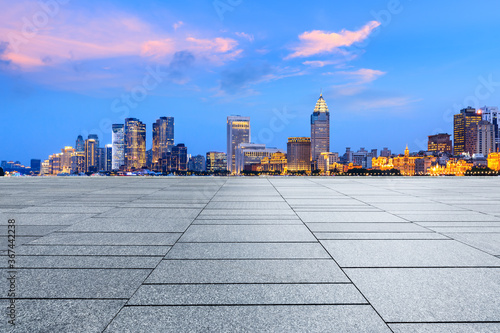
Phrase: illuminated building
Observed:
(55, 164)
(453, 167)
(90, 156)
(385, 152)
(135, 144)
(405, 164)
(118, 143)
(465, 131)
(238, 131)
(440, 143)
(78, 162)
(80, 144)
(45, 169)
(36, 165)
(163, 138)
(66, 154)
(196, 163)
(251, 153)
(326, 160)
(108, 157)
(423, 164)
(276, 163)
(382, 163)
(216, 161)
(485, 143)
(364, 158)
(348, 155)
(179, 158)
(494, 161)
(492, 115)
(320, 129)
(298, 154)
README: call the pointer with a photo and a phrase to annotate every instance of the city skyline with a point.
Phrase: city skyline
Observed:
(391, 77)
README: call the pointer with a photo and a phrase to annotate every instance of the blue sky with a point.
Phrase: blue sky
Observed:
(392, 72)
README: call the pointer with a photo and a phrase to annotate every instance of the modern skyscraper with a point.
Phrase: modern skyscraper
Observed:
(179, 157)
(440, 143)
(135, 144)
(90, 156)
(196, 163)
(80, 144)
(95, 137)
(118, 143)
(36, 165)
(385, 152)
(320, 129)
(238, 131)
(485, 138)
(465, 131)
(163, 137)
(216, 161)
(492, 115)
(299, 154)
(108, 158)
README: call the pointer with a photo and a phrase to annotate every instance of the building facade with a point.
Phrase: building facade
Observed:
(440, 143)
(485, 143)
(163, 138)
(298, 154)
(196, 163)
(238, 131)
(118, 143)
(80, 144)
(251, 153)
(320, 129)
(90, 156)
(465, 131)
(216, 162)
(135, 144)
(492, 115)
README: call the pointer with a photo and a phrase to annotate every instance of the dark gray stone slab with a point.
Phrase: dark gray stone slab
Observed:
(246, 217)
(153, 213)
(379, 235)
(348, 217)
(129, 224)
(44, 219)
(317, 318)
(430, 294)
(365, 227)
(248, 221)
(247, 294)
(93, 250)
(32, 230)
(446, 328)
(219, 213)
(40, 316)
(247, 233)
(245, 205)
(247, 271)
(82, 262)
(77, 283)
(247, 251)
(406, 253)
(66, 238)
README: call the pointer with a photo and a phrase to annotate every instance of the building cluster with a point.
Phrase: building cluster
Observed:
(476, 143)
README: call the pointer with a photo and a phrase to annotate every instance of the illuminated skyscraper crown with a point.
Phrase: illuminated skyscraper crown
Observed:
(321, 105)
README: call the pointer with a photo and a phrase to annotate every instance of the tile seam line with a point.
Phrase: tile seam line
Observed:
(343, 272)
(160, 261)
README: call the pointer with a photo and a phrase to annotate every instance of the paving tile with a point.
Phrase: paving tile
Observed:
(82, 262)
(93, 250)
(248, 205)
(247, 251)
(65, 209)
(365, 227)
(66, 238)
(248, 221)
(247, 233)
(77, 283)
(247, 271)
(246, 213)
(446, 328)
(486, 242)
(406, 253)
(154, 213)
(40, 316)
(348, 217)
(450, 217)
(430, 294)
(33, 230)
(130, 224)
(247, 294)
(378, 235)
(317, 318)
(44, 219)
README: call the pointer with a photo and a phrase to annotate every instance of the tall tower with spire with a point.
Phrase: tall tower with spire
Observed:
(320, 129)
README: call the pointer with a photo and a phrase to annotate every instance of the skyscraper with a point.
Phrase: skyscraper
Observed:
(439, 143)
(320, 129)
(80, 144)
(90, 156)
(465, 131)
(118, 143)
(179, 157)
(298, 152)
(492, 115)
(485, 138)
(108, 158)
(135, 144)
(216, 161)
(36, 165)
(196, 163)
(163, 137)
(238, 131)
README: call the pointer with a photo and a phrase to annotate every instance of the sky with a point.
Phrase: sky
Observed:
(392, 72)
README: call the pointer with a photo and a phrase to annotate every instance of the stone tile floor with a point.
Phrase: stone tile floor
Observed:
(288, 254)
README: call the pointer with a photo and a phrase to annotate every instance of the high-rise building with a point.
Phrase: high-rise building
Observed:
(196, 163)
(135, 144)
(80, 144)
(65, 162)
(348, 155)
(298, 154)
(465, 131)
(36, 165)
(320, 129)
(78, 162)
(385, 152)
(163, 137)
(216, 162)
(485, 143)
(90, 156)
(95, 137)
(118, 143)
(108, 158)
(238, 131)
(179, 157)
(440, 143)
(492, 115)
(251, 153)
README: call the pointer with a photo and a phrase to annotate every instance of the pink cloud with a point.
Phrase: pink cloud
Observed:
(363, 75)
(177, 25)
(359, 80)
(320, 42)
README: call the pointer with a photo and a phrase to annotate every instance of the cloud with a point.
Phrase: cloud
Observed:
(245, 35)
(363, 75)
(319, 63)
(321, 42)
(3, 49)
(181, 62)
(234, 80)
(177, 25)
(359, 79)
(385, 103)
